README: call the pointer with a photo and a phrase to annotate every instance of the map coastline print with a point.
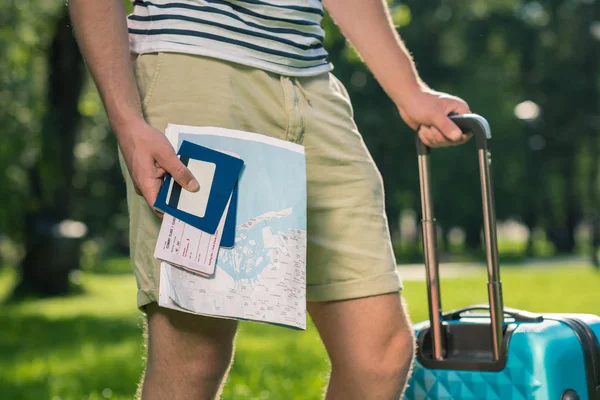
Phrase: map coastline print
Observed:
(263, 277)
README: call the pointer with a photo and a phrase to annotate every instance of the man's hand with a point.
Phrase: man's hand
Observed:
(148, 155)
(426, 111)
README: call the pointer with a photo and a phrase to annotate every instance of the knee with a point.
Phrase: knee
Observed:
(387, 364)
(383, 361)
(396, 358)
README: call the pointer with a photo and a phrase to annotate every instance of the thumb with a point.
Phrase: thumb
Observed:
(169, 161)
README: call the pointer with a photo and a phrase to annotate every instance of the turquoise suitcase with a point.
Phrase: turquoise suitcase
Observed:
(490, 351)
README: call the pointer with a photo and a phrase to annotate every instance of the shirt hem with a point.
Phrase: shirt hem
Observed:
(141, 48)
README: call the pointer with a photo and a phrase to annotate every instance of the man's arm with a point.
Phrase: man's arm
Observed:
(101, 31)
(367, 25)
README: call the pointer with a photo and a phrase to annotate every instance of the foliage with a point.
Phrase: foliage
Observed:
(495, 54)
(24, 38)
(91, 346)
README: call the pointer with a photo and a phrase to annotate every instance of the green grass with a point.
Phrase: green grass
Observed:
(89, 346)
(509, 249)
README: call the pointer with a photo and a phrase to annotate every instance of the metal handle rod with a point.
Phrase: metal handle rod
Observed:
(480, 127)
(431, 261)
(491, 244)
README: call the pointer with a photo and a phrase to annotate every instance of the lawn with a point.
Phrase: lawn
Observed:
(89, 346)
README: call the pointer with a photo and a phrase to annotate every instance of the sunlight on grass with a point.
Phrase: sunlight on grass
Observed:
(560, 289)
(89, 346)
(7, 280)
(110, 295)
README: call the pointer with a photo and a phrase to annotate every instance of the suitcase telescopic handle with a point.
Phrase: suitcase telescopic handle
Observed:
(468, 123)
(479, 127)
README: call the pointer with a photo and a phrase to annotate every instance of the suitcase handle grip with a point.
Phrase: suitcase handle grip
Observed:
(468, 123)
(517, 315)
(477, 125)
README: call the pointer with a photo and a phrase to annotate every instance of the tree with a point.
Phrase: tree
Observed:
(50, 252)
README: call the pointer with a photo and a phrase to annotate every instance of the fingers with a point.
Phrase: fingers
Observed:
(444, 124)
(448, 128)
(167, 159)
(158, 213)
(158, 173)
(432, 137)
(437, 129)
(150, 189)
(465, 138)
(456, 105)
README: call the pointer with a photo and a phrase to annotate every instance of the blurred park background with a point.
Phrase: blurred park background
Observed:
(68, 324)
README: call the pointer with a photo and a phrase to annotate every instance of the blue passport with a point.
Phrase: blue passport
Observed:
(217, 173)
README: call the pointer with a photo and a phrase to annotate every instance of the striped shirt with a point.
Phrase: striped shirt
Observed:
(281, 36)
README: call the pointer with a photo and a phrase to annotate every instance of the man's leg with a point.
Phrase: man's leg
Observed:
(188, 355)
(370, 344)
(352, 282)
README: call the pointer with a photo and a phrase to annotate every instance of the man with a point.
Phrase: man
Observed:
(260, 66)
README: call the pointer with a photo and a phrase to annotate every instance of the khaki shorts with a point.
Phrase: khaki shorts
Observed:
(349, 252)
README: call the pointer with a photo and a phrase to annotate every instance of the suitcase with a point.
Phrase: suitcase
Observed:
(488, 351)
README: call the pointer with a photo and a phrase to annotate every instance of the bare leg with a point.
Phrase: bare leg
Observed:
(370, 344)
(188, 355)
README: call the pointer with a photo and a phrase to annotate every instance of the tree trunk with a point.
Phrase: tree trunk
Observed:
(530, 222)
(595, 242)
(594, 205)
(473, 236)
(52, 250)
(562, 234)
(573, 206)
